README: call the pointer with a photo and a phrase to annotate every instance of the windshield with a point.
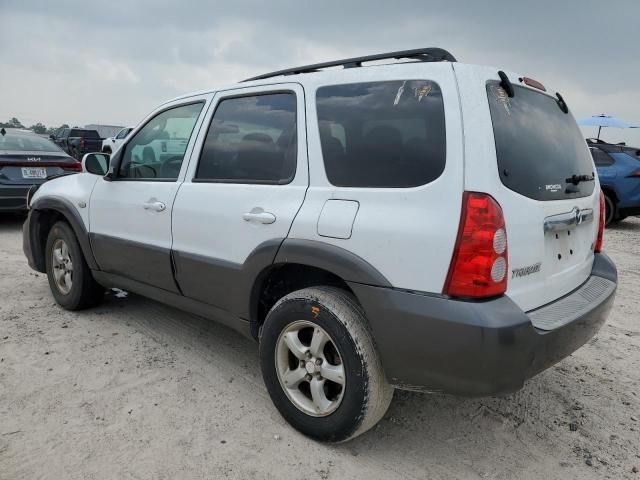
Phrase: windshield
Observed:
(538, 146)
(27, 143)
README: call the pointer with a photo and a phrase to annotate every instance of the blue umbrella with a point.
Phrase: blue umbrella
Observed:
(603, 120)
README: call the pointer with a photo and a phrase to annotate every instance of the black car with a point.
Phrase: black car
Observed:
(27, 159)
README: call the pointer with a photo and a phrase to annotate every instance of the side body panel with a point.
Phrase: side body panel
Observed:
(406, 234)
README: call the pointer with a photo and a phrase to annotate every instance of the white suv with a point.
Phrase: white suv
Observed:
(421, 224)
(111, 144)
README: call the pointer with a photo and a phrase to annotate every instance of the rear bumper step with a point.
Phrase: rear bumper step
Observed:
(432, 343)
(570, 308)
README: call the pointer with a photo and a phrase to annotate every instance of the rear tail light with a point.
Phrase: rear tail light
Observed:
(635, 173)
(479, 265)
(598, 246)
(72, 167)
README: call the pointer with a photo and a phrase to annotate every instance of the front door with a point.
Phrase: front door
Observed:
(243, 188)
(130, 217)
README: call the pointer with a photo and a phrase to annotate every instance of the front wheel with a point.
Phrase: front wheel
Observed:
(320, 365)
(70, 279)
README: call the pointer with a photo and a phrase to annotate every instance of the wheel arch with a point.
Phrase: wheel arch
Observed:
(300, 264)
(44, 213)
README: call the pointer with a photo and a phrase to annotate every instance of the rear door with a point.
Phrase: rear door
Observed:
(532, 158)
(244, 186)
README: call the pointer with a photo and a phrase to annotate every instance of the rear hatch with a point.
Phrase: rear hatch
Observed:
(533, 159)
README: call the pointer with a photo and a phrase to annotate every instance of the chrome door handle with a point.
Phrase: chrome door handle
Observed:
(154, 205)
(258, 215)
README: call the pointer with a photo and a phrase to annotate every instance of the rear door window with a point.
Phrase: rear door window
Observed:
(382, 134)
(538, 146)
(251, 139)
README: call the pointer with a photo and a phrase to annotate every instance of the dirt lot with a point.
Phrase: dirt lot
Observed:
(134, 389)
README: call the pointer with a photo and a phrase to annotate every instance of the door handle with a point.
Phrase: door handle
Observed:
(258, 215)
(154, 205)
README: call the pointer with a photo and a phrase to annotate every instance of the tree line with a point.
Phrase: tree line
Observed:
(37, 128)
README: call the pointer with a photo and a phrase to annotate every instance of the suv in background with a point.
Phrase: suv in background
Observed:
(425, 225)
(77, 141)
(619, 172)
(111, 144)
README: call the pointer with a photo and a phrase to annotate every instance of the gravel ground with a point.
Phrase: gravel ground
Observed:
(135, 389)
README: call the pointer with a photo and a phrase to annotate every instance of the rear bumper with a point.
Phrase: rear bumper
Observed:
(13, 197)
(434, 343)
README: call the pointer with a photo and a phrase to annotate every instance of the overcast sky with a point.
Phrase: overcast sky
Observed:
(112, 62)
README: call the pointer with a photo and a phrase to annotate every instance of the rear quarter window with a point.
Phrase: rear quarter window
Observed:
(538, 146)
(382, 134)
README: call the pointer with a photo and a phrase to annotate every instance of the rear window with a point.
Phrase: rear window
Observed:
(538, 146)
(84, 133)
(382, 134)
(27, 143)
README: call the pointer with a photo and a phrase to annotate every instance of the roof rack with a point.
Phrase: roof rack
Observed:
(419, 54)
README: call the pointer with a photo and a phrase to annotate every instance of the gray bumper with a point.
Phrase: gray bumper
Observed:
(474, 348)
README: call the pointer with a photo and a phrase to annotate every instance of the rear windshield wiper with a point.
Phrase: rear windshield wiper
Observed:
(576, 179)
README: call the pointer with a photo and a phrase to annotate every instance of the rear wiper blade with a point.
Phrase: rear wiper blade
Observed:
(576, 179)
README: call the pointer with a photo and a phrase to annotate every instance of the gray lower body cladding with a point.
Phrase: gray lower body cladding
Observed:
(433, 343)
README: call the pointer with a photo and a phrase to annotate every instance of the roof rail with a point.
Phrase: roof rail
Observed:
(420, 54)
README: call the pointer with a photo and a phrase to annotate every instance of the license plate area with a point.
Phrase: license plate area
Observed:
(34, 172)
(567, 248)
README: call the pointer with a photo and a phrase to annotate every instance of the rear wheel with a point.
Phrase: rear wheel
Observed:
(320, 365)
(609, 209)
(70, 279)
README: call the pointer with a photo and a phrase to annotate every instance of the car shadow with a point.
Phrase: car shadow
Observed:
(11, 221)
(628, 225)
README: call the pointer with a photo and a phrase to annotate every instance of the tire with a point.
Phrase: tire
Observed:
(63, 254)
(355, 405)
(610, 209)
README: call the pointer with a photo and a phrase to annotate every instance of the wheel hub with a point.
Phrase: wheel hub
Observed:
(62, 266)
(309, 368)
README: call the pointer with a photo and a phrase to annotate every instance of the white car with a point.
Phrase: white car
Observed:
(425, 224)
(111, 144)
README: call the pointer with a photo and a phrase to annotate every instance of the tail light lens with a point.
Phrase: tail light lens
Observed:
(479, 265)
(598, 246)
(635, 173)
(72, 167)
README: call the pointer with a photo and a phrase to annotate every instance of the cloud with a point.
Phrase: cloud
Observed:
(110, 71)
(75, 61)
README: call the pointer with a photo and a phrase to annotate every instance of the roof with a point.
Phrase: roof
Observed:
(420, 55)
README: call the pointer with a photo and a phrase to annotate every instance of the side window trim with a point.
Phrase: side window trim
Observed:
(229, 95)
(188, 149)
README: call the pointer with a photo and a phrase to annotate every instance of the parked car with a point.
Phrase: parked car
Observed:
(425, 225)
(27, 159)
(615, 147)
(619, 173)
(77, 141)
(111, 144)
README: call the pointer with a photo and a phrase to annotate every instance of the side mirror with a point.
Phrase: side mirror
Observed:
(52, 136)
(96, 163)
